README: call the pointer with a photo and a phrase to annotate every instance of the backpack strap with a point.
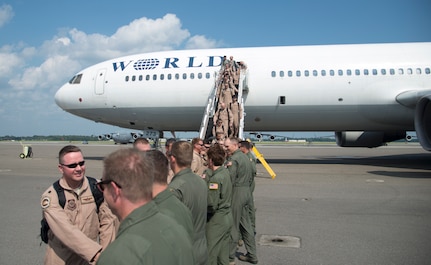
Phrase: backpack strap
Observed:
(60, 193)
(92, 182)
(97, 194)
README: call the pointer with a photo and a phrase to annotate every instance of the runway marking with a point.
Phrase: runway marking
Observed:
(280, 241)
(375, 180)
(5, 170)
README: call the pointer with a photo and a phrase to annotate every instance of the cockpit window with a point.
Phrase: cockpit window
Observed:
(76, 79)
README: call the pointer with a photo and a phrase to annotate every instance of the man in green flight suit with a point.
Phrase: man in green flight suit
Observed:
(192, 190)
(241, 173)
(220, 219)
(167, 202)
(145, 236)
(246, 148)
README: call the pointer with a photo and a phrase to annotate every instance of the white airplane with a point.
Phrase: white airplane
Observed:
(368, 94)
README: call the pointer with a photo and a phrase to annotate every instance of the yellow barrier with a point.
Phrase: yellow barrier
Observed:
(263, 161)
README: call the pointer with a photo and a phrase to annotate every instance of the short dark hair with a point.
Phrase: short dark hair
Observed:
(245, 144)
(161, 163)
(217, 154)
(67, 149)
(129, 168)
(183, 153)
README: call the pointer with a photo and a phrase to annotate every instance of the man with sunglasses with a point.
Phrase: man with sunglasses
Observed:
(79, 231)
(198, 166)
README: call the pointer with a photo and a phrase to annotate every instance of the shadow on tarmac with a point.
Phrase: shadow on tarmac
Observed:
(410, 161)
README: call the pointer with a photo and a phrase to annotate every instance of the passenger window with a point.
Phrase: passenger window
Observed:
(169, 76)
(154, 77)
(298, 73)
(314, 72)
(383, 71)
(177, 76)
(147, 77)
(273, 74)
(200, 75)
(374, 71)
(207, 75)
(409, 71)
(366, 72)
(427, 71)
(184, 76)
(331, 72)
(357, 72)
(340, 72)
(289, 73)
(392, 71)
(281, 73)
(140, 77)
(323, 72)
(127, 78)
(418, 71)
(306, 73)
(401, 71)
(162, 77)
(192, 76)
(349, 72)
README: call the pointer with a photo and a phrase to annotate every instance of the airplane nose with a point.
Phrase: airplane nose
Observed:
(63, 97)
(59, 97)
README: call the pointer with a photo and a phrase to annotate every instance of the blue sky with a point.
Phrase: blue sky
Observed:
(44, 43)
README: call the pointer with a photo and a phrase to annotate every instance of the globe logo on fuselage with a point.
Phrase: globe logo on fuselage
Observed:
(146, 64)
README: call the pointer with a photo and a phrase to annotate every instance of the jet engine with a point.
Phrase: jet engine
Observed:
(368, 139)
(135, 136)
(423, 122)
(101, 137)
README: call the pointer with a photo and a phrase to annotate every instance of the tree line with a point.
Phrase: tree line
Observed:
(50, 138)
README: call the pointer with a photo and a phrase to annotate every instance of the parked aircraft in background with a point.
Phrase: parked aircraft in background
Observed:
(368, 94)
(261, 136)
(130, 137)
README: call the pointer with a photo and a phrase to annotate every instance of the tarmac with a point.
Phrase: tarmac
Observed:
(327, 205)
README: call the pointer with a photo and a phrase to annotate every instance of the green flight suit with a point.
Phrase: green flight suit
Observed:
(220, 218)
(170, 205)
(252, 211)
(241, 173)
(192, 190)
(149, 237)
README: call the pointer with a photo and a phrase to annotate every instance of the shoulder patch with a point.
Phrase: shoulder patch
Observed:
(45, 203)
(213, 186)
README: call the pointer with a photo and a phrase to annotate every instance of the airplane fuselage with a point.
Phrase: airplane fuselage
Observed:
(298, 88)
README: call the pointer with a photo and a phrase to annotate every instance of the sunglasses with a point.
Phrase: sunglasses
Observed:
(104, 182)
(74, 165)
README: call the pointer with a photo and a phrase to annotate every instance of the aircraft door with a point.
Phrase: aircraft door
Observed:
(99, 85)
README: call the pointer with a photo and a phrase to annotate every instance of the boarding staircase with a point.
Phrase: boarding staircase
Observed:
(205, 131)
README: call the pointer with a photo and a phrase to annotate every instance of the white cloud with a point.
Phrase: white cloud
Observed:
(6, 14)
(51, 71)
(32, 74)
(145, 34)
(9, 62)
(199, 41)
